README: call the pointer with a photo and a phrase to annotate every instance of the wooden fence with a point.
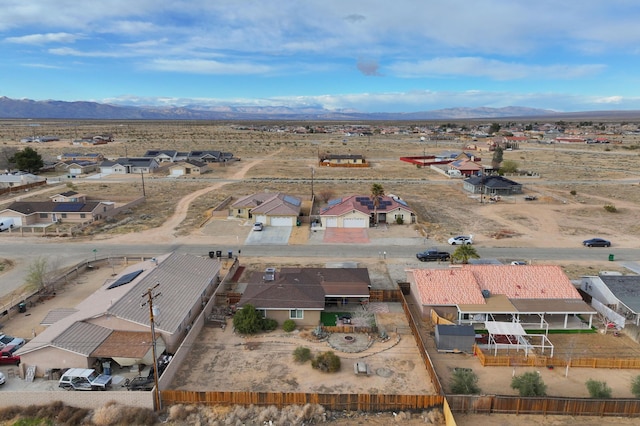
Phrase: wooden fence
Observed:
(385, 296)
(350, 402)
(488, 360)
(502, 404)
(421, 346)
(21, 188)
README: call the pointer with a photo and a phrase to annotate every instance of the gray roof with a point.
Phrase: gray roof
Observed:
(183, 278)
(56, 315)
(32, 207)
(626, 288)
(82, 338)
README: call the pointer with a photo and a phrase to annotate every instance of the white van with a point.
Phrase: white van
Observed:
(6, 224)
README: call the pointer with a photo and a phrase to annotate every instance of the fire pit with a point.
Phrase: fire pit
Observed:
(349, 339)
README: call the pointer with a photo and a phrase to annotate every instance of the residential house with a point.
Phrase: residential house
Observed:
(113, 323)
(69, 197)
(30, 213)
(272, 209)
(465, 167)
(9, 180)
(75, 168)
(129, 165)
(358, 212)
(533, 294)
(301, 294)
(78, 156)
(188, 168)
(162, 156)
(211, 156)
(618, 294)
(491, 185)
(343, 160)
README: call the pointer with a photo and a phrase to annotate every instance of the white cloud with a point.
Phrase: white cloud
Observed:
(490, 68)
(200, 66)
(44, 38)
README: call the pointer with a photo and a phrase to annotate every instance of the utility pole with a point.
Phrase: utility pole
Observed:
(144, 193)
(313, 173)
(150, 296)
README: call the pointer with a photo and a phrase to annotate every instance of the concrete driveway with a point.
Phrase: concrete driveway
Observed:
(276, 235)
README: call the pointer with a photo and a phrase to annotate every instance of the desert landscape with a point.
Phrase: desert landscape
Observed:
(574, 184)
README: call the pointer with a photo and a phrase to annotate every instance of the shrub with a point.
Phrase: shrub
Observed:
(327, 362)
(610, 208)
(247, 320)
(269, 324)
(598, 389)
(529, 384)
(301, 354)
(399, 220)
(573, 192)
(289, 325)
(635, 386)
(464, 382)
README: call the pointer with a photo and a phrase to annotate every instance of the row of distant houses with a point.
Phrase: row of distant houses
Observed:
(177, 163)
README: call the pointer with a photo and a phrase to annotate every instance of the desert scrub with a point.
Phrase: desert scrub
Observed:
(301, 354)
(327, 362)
(610, 208)
(289, 325)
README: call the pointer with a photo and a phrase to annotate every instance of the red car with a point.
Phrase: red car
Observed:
(7, 356)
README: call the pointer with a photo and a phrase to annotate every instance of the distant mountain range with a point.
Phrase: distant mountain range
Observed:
(51, 109)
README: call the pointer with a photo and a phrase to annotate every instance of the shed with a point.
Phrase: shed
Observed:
(455, 338)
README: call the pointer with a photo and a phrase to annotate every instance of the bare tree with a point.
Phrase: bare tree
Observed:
(326, 195)
(41, 274)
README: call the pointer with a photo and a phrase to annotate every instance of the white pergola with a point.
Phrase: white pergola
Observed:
(515, 336)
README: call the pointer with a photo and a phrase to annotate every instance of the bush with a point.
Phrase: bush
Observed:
(573, 192)
(635, 386)
(289, 325)
(247, 320)
(610, 208)
(464, 382)
(598, 389)
(399, 220)
(301, 354)
(327, 362)
(529, 384)
(269, 324)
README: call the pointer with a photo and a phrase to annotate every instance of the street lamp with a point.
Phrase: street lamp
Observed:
(153, 311)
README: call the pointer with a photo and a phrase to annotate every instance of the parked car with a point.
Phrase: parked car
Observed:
(6, 340)
(7, 356)
(461, 239)
(530, 198)
(519, 262)
(84, 379)
(140, 383)
(433, 255)
(596, 242)
(258, 226)
(2, 379)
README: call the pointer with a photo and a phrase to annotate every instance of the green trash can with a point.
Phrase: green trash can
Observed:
(611, 256)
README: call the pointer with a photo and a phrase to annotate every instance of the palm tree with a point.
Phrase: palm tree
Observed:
(377, 192)
(465, 252)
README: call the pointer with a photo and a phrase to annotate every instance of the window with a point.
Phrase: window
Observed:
(262, 313)
(83, 215)
(296, 314)
(43, 215)
(64, 215)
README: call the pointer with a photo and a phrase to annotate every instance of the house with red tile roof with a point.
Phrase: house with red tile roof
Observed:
(357, 211)
(470, 294)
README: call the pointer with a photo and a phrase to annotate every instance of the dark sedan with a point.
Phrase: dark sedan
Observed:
(596, 242)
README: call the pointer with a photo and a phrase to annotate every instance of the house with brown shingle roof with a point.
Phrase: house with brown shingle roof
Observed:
(28, 213)
(357, 211)
(301, 294)
(272, 209)
(470, 294)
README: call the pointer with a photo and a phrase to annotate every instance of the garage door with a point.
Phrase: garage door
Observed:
(177, 172)
(75, 171)
(354, 222)
(281, 221)
(261, 219)
(332, 222)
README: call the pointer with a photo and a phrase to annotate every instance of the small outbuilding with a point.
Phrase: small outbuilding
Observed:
(455, 338)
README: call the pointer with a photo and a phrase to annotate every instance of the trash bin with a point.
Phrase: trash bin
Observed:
(22, 307)
(218, 253)
(230, 254)
(611, 257)
(212, 254)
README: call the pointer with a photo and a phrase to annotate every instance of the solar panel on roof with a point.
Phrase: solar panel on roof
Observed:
(125, 279)
(334, 202)
(68, 207)
(291, 200)
(399, 201)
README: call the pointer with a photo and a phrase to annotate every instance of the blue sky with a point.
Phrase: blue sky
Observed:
(353, 55)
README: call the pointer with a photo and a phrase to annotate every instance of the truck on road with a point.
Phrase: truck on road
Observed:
(433, 255)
